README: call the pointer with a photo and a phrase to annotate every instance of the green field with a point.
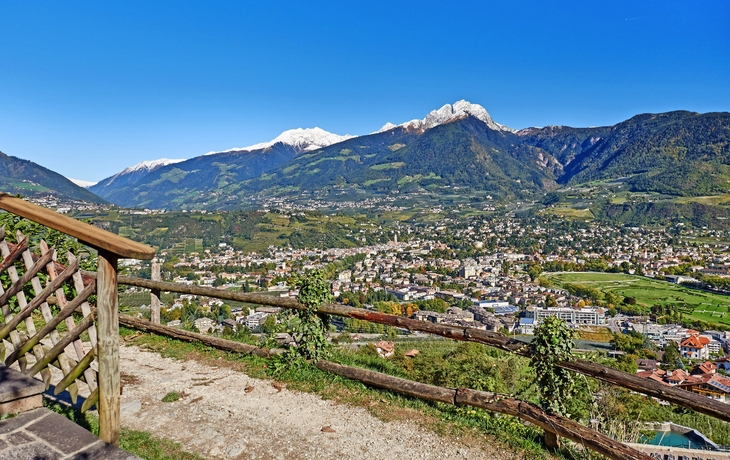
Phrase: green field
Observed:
(693, 303)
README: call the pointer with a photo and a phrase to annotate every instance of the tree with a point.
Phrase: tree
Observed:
(628, 343)
(671, 354)
(269, 326)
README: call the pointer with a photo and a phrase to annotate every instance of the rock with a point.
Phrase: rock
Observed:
(130, 408)
(234, 450)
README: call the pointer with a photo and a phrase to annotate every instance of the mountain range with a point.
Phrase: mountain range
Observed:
(455, 148)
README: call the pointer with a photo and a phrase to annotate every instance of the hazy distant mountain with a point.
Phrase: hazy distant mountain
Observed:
(29, 179)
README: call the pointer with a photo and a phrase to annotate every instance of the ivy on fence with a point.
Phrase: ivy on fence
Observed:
(307, 327)
(553, 344)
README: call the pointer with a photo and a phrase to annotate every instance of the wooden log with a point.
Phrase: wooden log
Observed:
(155, 293)
(491, 402)
(108, 347)
(376, 379)
(180, 334)
(648, 387)
(250, 297)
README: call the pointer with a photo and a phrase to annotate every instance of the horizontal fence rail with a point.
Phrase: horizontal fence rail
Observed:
(607, 374)
(493, 402)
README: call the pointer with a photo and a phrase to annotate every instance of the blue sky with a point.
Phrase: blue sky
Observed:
(88, 88)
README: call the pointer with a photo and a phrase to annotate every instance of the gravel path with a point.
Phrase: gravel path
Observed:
(225, 414)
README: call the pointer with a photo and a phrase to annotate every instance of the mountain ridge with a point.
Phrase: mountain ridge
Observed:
(30, 179)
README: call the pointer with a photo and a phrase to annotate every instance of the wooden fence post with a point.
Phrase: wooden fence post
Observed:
(155, 294)
(551, 440)
(108, 344)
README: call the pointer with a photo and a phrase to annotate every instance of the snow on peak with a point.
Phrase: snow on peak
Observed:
(447, 113)
(82, 183)
(386, 127)
(149, 165)
(303, 139)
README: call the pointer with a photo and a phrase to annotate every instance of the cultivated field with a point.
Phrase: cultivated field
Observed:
(694, 303)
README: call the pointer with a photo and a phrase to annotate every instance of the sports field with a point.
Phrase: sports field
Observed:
(694, 303)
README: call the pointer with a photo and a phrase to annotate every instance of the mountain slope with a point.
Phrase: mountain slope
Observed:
(202, 178)
(455, 149)
(462, 153)
(679, 153)
(177, 185)
(32, 180)
(129, 176)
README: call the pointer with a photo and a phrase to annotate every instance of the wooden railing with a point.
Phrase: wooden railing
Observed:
(47, 347)
(71, 350)
(552, 425)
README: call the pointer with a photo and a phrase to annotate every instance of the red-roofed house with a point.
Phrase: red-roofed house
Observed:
(695, 347)
(677, 376)
(704, 368)
(713, 386)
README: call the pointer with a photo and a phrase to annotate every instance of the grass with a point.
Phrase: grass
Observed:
(570, 213)
(171, 397)
(140, 443)
(694, 303)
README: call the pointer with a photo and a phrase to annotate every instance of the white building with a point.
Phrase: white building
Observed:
(579, 316)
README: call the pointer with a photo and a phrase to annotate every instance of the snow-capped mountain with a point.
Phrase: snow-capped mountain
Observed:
(149, 165)
(301, 139)
(447, 113)
(130, 175)
(82, 183)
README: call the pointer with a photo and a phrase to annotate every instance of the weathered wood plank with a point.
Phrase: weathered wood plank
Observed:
(36, 302)
(108, 347)
(376, 379)
(75, 373)
(50, 355)
(45, 330)
(88, 234)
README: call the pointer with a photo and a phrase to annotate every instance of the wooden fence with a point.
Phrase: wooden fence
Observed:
(74, 334)
(73, 352)
(565, 428)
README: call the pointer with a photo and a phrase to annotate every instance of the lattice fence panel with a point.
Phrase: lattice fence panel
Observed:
(46, 321)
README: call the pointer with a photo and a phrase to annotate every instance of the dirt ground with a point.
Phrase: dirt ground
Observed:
(225, 414)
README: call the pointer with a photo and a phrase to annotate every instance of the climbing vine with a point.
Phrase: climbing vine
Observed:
(307, 327)
(553, 344)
